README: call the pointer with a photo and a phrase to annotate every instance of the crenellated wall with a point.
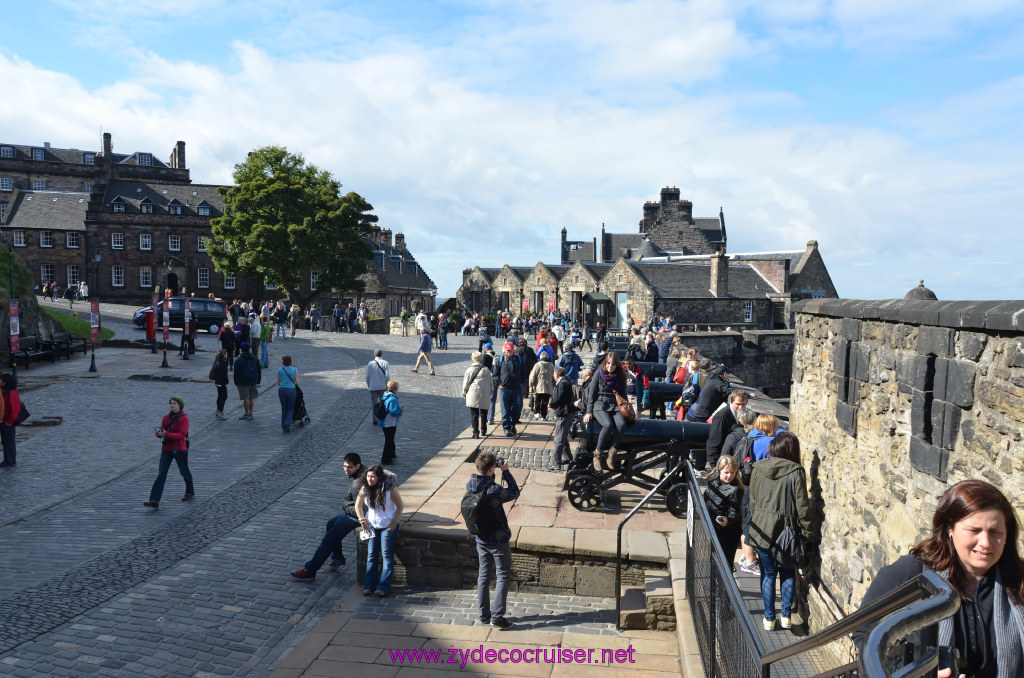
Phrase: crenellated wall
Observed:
(894, 402)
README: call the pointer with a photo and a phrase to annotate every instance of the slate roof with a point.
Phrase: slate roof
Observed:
(648, 249)
(133, 159)
(189, 195)
(409, 276)
(711, 226)
(793, 256)
(66, 155)
(583, 252)
(48, 210)
(616, 242)
(692, 280)
(491, 273)
(523, 271)
(597, 270)
(559, 270)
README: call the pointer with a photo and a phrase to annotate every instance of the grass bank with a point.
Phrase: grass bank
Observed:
(77, 326)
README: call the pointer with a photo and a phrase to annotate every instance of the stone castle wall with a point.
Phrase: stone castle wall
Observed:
(762, 359)
(894, 402)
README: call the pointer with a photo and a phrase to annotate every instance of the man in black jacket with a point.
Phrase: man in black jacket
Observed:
(723, 423)
(508, 369)
(562, 404)
(529, 359)
(712, 394)
(492, 542)
(339, 525)
(248, 376)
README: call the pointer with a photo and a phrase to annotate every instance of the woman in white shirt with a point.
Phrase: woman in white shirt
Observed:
(379, 507)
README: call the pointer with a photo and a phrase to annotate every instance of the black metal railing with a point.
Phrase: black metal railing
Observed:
(730, 645)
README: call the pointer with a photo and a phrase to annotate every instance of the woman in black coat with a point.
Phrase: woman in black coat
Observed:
(724, 500)
(609, 380)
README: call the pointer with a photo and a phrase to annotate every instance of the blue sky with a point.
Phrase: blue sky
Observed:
(890, 131)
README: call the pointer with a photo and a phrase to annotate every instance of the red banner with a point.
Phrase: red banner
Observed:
(167, 319)
(15, 327)
(551, 305)
(94, 321)
(526, 305)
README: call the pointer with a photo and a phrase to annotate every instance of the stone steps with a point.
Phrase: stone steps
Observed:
(651, 607)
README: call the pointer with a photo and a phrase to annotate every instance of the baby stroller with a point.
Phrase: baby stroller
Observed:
(299, 414)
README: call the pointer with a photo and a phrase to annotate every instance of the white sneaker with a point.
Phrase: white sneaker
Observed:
(785, 622)
(769, 625)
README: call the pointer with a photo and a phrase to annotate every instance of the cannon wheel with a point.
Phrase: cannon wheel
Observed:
(585, 493)
(676, 498)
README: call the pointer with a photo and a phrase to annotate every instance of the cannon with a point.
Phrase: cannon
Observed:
(650, 447)
(652, 370)
(661, 392)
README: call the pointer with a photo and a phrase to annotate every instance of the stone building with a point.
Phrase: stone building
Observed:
(133, 225)
(894, 402)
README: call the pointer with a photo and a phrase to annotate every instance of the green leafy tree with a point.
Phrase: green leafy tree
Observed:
(283, 217)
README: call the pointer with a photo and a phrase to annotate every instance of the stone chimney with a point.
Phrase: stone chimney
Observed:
(400, 243)
(720, 274)
(108, 145)
(669, 194)
(385, 237)
(178, 156)
(375, 235)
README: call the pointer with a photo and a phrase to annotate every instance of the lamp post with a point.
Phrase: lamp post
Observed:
(10, 298)
(95, 293)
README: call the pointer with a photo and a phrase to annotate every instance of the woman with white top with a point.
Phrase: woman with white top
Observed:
(379, 508)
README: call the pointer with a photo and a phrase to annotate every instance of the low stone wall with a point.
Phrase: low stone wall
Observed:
(894, 402)
(763, 359)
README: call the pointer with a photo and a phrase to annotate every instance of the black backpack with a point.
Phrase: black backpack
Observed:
(744, 454)
(476, 512)
(380, 410)
(691, 392)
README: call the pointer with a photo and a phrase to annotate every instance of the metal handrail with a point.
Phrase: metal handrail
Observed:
(913, 605)
(672, 475)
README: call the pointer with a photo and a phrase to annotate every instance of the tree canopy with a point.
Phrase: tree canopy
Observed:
(284, 217)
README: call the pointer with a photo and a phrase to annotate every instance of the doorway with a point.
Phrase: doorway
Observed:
(172, 284)
(621, 309)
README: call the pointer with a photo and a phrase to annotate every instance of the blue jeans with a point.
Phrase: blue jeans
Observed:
(382, 541)
(494, 400)
(613, 425)
(165, 464)
(265, 353)
(492, 557)
(279, 330)
(768, 574)
(443, 339)
(287, 397)
(511, 400)
(330, 545)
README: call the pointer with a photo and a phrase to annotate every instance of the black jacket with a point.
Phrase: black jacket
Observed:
(509, 371)
(562, 399)
(529, 359)
(714, 392)
(349, 506)
(220, 372)
(722, 424)
(496, 496)
(724, 500)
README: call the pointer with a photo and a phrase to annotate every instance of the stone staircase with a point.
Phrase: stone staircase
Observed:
(650, 607)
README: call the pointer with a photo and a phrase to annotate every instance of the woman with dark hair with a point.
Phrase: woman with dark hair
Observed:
(973, 545)
(602, 404)
(9, 411)
(379, 508)
(389, 424)
(219, 375)
(173, 432)
(287, 382)
(772, 480)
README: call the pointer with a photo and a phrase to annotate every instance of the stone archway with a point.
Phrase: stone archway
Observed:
(171, 285)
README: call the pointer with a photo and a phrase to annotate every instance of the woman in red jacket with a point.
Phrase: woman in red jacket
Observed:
(173, 432)
(9, 413)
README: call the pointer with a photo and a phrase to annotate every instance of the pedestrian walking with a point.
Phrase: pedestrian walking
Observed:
(476, 389)
(563, 403)
(492, 538)
(724, 500)
(379, 507)
(294, 318)
(339, 525)
(314, 318)
(226, 337)
(247, 379)
(255, 334)
(69, 294)
(280, 321)
(219, 376)
(10, 411)
(542, 384)
(266, 336)
(390, 423)
(442, 332)
(378, 374)
(287, 382)
(173, 432)
(424, 353)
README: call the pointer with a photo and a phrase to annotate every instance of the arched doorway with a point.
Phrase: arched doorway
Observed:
(172, 283)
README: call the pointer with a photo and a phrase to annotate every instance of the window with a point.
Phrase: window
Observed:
(6, 184)
(146, 208)
(269, 285)
(47, 272)
(38, 154)
(89, 158)
(117, 275)
(88, 189)
(145, 276)
(6, 152)
(174, 209)
(3, 210)
(174, 243)
(314, 279)
(145, 241)
(204, 211)
(201, 243)
(748, 311)
(19, 239)
(622, 278)
(46, 238)
(38, 185)
(577, 280)
(72, 270)
(117, 241)
(203, 277)
(229, 282)
(119, 207)
(146, 159)
(74, 240)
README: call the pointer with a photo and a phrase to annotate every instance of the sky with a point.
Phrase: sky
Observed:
(890, 131)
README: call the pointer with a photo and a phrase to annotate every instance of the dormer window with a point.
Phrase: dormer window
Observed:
(397, 261)
(379, 258)
(174, 207)
(146, 159)
(203, 209)
(38, 154)
(119, 207)
(146, 206)
(6, 151)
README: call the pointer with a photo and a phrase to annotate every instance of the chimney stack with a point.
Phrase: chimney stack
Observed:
(385, 237)
(720, 274)
(178, 156)
(400, 242)
(108, 145)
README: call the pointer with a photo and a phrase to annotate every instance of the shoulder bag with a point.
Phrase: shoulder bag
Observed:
(790, 547)
(625, 408)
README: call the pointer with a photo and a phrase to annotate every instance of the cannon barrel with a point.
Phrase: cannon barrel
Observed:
(648, 434)
(652, 370)
(660, 393)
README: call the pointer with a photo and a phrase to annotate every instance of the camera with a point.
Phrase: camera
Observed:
(501, 461)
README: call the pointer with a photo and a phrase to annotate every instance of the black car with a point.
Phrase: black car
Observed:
(210, 313)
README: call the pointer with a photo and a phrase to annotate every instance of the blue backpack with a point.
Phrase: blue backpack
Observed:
(572, 364)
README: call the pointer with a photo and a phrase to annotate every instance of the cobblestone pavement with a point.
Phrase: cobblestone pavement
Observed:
(92, 583)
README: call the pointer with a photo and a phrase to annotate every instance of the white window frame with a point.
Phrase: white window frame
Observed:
(203, 278)
(748, 311)
(119, 207)
(117, 275)
(88, 189)
(229, 282)
(39, 154)
(174, 243)
(314, 280)
(46, 239)
(38, 184)
(146, 208)
(146, 159)
(201, 243)
(73, 240)
(6, 184)
(19, 239)
(269, 285)
(174, 209)
(6, 151)
(89, 158)
(117, 241)
(145, 242)
(48, 272)
(203, 211)
(145, 276)
(73, 269)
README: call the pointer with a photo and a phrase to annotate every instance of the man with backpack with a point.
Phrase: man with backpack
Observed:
(724, 422)
(485, 518)
(378, 374)
(248, 376)
(572, 363)
(508, 372)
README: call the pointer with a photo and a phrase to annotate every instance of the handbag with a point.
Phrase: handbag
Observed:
(790, 547)
(22, 415)
(628, 413)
